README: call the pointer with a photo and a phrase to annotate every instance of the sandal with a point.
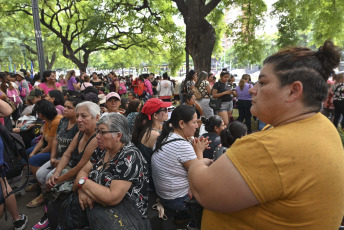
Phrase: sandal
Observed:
(38, 201)
(32, 188)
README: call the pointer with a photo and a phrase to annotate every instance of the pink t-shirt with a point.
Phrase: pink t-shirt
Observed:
(46, 89)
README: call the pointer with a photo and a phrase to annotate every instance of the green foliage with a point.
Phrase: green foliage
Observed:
(322, 19)
(248, 48)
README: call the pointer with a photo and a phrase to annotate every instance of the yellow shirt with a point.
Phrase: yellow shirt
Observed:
(296, 171)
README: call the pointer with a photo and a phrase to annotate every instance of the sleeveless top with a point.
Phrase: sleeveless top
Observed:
(76, 156)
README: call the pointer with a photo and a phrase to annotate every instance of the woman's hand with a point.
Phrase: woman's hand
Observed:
(54, 162)
(200, 144)
(52, 181)
(85, 200)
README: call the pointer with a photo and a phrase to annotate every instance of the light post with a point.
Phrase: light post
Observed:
(38, 35)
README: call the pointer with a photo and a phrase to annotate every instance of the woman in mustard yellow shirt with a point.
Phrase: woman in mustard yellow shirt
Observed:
(291, 174)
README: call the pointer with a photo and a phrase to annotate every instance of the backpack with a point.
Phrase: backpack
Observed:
(141, 90)
(12, 152)
(13, 95)
(122, 88)
(23, 90)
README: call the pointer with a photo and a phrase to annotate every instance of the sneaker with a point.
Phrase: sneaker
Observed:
(21, 223)
(42, 224)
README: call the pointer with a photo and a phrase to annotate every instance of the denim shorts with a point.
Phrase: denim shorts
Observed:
(226, 106)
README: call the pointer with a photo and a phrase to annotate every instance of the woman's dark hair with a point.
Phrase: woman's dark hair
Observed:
(223, 73)
(36, 77)
(141, 126)
(124, 101)
(212, 122)
(311, 68)
(45, 75)
(145, 75)
(181, 113)
(132, 107)
(58, 96)
(188, 78)
(4, 82)
(46, 108)
(74, 100)
(165, 76)
(234, 130)
(188, 96)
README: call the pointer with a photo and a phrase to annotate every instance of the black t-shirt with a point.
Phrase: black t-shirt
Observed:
(222, 87)
(129, 165)
(65, 136)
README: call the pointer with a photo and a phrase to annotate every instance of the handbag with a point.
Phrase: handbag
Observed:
(61, 190)
(215, 103)
(197, 93)
(74, 217)
(195, 211)
(124, 215)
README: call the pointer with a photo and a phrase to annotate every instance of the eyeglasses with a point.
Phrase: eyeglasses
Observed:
(162, 110)
(101, 132)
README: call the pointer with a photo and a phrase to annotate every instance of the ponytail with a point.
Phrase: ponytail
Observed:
(167, 128)
(181, 113)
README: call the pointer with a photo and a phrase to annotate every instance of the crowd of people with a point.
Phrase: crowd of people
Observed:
(100, 145)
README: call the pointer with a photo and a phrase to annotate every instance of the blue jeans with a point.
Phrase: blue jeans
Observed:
(175, 204)
(39, 159)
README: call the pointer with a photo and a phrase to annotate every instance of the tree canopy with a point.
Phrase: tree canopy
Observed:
(127, 33)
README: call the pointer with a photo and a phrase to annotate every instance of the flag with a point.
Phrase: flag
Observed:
(31, 70)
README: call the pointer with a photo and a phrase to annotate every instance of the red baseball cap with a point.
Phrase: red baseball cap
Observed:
(153, 105)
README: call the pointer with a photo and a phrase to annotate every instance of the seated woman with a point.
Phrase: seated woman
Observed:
(173, 156)
(116, 173)
(190, 99)
(213, 125)
(86, 83)
(49, 82)
(66, 131)
(76, 154)
(147, 128)
(274, 179)
(235, 130)
(40, 154)
(132, 111)
(56, 97)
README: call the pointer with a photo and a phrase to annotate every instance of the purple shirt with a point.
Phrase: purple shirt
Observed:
(70, 83)
(244, 94)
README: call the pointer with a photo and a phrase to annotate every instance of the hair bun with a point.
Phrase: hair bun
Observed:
(204, 120)
(329, 56)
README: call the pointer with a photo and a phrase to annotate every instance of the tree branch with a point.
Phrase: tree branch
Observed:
(182, 7)
(209, 7)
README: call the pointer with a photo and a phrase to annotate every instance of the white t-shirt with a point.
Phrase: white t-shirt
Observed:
(169, 175)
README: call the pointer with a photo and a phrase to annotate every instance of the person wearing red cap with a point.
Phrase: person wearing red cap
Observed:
(147, 128)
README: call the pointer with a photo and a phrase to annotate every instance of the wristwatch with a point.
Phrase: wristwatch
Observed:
(82, 181)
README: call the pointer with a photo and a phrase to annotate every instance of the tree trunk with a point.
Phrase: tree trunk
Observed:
(200, 44)
(48, 63)
(200, 34)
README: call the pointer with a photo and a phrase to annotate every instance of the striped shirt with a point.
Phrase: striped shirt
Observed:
(169, 175)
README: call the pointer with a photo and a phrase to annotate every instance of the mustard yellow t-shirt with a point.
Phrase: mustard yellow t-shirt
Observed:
(296, 171)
